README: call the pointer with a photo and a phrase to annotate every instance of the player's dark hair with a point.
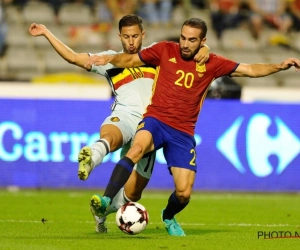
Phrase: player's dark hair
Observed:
(130, 20)
(198, 24)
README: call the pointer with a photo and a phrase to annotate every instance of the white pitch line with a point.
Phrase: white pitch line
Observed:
(21, 221)
(185, 224)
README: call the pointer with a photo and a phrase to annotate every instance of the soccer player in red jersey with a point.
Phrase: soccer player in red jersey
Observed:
(179, 90)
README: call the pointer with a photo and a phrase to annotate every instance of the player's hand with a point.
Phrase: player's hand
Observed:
(203, 54)
(37, 29)
(98, 60)
(286, 64)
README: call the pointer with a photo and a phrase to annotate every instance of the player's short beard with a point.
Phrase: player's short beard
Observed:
(190, 57)
(136, 50)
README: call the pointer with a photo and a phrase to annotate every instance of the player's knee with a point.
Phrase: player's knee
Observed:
(114, 142)
(183, 197)
(136, 152)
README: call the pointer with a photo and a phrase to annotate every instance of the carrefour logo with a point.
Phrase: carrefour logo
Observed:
(260, 146)
(36, 146)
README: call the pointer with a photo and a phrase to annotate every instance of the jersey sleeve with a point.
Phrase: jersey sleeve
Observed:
(224, 66)
(151, 55)
(101, 69)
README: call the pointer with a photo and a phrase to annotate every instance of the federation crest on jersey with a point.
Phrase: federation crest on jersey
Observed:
(115, 119)
(200, 68)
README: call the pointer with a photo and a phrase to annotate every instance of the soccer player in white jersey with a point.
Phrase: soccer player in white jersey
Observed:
(132, 88)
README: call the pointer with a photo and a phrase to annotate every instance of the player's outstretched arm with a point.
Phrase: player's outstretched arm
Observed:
(62, 49)
(121, 60)
(264, 69)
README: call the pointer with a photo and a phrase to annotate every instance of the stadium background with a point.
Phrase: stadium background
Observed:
(247, 144)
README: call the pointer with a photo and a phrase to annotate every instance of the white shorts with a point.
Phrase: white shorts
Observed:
(127, 123)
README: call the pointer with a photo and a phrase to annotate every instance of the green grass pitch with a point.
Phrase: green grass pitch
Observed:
(211, 221)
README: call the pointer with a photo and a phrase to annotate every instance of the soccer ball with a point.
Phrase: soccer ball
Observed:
(132, 218)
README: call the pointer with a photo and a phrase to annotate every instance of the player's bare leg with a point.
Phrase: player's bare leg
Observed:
(178, 200)
(134, 186)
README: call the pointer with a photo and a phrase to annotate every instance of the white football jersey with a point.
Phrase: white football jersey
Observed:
(132, 86)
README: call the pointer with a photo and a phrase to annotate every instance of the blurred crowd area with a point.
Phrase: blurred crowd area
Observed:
(246, 31)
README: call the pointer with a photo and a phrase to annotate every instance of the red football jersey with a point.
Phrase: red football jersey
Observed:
(180, 86)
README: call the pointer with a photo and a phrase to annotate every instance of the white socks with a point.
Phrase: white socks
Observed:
(119, 200)
(99, 150)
